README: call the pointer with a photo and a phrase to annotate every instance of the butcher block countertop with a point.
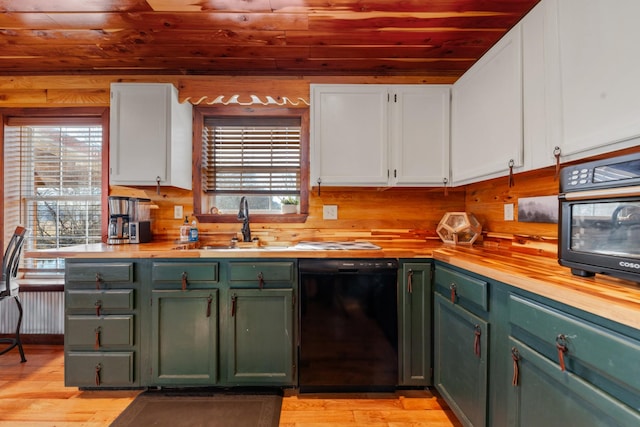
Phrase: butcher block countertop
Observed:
(611, 298)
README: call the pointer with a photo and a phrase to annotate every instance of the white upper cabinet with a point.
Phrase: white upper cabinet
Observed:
(539, 143)
(594, 103)
(486, 114)
(379, 135)
(419, 134)
(349, 135)
(150, 136)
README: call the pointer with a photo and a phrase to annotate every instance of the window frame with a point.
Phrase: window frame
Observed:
(55, 114)
(199, 115)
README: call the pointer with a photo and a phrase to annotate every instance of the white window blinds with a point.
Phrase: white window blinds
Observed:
(257, 155)
(53, 180)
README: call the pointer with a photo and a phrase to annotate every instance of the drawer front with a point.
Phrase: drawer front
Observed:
(599, 349)
(271, 272)
(99, 369)
(114, 300)
(461, 288)
(105, 272)
(97, 333)
(172, 273)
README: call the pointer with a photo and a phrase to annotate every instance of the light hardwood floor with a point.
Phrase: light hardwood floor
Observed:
(33, 394)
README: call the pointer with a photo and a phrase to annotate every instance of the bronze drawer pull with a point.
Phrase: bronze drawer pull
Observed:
(477, 332)
(454, 292)
(98, 330)
(98, 369)
(98, 281)
(409, 281)
(184, 280)
(561, 345)
(260, 280)
(98, 305)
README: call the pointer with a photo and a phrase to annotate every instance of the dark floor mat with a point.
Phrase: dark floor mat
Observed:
(200, 409)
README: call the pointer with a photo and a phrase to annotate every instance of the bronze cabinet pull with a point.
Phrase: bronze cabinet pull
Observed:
(477, 332)
(184, 281)
(454, 292)
(234, 299)
(260, 280)
(409, 281)
(515, 355)
(98, 305)
(209, 300)
(98, 330)
(561, 345)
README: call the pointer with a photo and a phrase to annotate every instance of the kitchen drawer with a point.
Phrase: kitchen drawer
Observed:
(461, 288)
(99, 369)
(99, 273)
(270, 272)
(99, 302)
(591, 350)
(195, 274)
(103, 332)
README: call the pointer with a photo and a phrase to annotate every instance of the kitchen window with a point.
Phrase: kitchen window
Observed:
(53, 184)
(260, 154)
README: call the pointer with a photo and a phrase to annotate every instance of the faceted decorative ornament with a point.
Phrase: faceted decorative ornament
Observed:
(459, 228)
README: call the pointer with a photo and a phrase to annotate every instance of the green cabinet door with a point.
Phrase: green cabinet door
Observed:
(460, 360)
(415, 330)
(544, 395)
(184, 337)
(260, 347)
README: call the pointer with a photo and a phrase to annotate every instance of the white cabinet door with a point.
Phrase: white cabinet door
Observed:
(349, 135)
(150, 136)
(539, 144)
(486, 114)
(419, 137)
(595, 75)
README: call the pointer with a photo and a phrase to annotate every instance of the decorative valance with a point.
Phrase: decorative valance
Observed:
(246, 92)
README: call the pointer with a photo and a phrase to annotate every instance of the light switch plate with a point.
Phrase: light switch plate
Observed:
(330, 212)
(177, 212)
(508, 212)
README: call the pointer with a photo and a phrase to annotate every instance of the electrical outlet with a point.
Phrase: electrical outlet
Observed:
(330, 212)
(508, 212)
(178, 212)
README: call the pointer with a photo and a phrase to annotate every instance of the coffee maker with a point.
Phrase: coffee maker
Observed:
(139, 224)
(119, 209)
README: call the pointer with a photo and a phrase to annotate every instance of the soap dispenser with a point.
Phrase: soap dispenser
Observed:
(193, 232)
(185, 228)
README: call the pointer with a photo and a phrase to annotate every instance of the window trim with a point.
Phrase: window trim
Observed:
(199, 114)
(55, 113)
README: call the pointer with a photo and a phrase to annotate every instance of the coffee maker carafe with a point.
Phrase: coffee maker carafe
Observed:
(119, 209)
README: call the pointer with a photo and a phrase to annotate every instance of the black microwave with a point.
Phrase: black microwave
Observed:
(599, 219)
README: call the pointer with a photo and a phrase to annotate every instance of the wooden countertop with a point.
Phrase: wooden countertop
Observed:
(608, 297)
(611, 298)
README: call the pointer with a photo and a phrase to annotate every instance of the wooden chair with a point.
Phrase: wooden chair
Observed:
(9, 286)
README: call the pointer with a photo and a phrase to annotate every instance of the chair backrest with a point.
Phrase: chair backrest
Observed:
(11, 260)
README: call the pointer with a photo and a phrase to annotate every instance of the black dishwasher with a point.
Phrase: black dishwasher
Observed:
(348, 338)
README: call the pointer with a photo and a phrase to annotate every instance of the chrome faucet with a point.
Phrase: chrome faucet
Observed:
(243, 215)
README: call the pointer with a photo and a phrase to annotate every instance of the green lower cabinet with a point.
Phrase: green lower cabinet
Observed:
(415, 323)
(184, 337)
(260, 348)
(99, 369)
(460, 360)
(544, 395)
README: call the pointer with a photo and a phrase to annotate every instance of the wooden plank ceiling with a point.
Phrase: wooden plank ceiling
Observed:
(251, 37)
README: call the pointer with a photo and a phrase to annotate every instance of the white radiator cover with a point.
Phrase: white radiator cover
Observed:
(43, 313)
